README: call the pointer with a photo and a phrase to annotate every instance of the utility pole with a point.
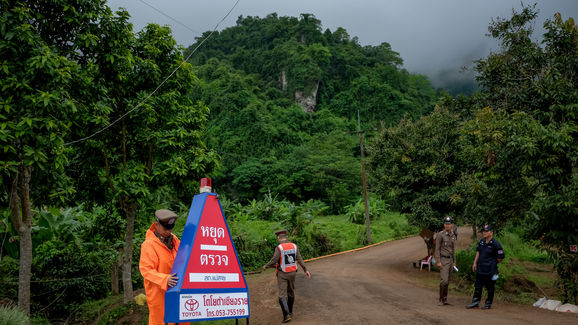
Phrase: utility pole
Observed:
(364, 182)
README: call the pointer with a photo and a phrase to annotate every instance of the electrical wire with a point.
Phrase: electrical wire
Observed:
(171, 18)
(160, 85)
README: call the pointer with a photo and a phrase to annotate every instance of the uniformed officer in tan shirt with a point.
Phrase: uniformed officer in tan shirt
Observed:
(445, 257)
(285, 259)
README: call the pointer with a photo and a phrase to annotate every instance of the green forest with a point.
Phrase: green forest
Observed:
(101, 125)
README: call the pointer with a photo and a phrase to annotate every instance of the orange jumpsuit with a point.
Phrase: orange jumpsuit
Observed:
(156, 262)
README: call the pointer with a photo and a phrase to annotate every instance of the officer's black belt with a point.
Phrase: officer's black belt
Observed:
(445, 256)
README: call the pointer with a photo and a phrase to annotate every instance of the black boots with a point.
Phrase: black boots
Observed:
(285, 309)
(290, 301)
(475, 303)
(476, 299)
(478, 296)
(490, 298)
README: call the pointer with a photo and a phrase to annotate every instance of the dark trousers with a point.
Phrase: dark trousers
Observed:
(484, 280)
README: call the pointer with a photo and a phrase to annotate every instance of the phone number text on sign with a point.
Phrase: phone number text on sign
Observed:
(216, 305)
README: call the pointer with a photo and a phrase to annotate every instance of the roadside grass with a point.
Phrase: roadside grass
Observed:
(524, 250)
(347, 235)
(255, 239)
(93, 310)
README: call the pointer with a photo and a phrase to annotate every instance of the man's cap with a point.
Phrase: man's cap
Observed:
(166, 218)
(487, 228)
(448, 220)
(281, 232)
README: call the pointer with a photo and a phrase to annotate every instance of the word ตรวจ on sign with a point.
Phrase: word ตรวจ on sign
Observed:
(210, 259)
(200, 306)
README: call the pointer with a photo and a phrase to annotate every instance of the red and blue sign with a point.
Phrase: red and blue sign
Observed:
(211, 281)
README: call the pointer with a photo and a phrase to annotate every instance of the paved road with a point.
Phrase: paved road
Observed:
(377, 286)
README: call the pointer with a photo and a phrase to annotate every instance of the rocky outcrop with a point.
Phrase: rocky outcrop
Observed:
(307, 102)
(283, 80)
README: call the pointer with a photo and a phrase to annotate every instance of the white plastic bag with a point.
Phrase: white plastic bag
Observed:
(551, 304)
(567, 308)
(540, 302)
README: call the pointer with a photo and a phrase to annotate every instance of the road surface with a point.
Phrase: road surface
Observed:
(377, 285)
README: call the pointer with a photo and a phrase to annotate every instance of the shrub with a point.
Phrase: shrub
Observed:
(9, 276)
(464, 260)
(10, 315)
(356, 212)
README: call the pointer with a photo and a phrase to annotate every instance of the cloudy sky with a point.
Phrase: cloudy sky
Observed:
(430, 35)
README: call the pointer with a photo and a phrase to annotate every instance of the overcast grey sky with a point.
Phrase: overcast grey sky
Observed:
(430, 35)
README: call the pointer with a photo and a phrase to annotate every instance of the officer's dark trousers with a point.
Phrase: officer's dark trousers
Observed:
(484, 280)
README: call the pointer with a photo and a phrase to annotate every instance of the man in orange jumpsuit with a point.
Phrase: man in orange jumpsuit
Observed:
(157, 256)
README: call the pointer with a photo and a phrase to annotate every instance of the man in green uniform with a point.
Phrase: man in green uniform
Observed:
(445, 257)
(285, 259)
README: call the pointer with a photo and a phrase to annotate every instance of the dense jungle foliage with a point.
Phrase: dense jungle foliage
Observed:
(251, 76)
(91, 145)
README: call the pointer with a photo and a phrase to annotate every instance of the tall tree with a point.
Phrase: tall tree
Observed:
(46, 62)
(536, 85)
(158, 139)
(416, 164)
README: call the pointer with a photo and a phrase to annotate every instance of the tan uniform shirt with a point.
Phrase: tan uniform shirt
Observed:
(445, 245)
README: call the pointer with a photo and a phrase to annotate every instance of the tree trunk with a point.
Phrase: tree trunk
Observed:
(130, 211)
(114, 273)
(21, 211)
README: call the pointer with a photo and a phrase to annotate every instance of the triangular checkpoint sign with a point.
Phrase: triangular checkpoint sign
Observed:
(211, 281)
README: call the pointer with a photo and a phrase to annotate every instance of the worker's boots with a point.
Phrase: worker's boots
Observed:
(476, 299)
(285, 308)
(443, 295)
(290, 302)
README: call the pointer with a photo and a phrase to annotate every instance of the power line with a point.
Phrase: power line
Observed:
(173, 19)
(161, 84)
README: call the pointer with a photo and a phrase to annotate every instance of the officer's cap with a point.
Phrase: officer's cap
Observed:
(487, 228)
(166, 218)
(448, 220)
(281, 232)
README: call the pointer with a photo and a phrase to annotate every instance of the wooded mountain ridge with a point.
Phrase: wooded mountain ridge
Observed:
(284, 97)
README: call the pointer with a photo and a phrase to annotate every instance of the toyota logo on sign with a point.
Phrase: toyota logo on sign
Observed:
(191, 305)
